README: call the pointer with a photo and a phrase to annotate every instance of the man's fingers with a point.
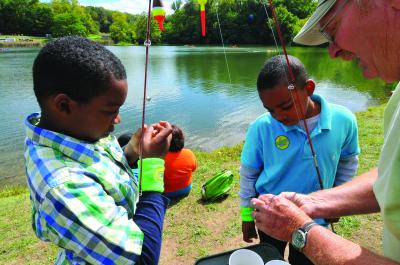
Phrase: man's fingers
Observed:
(257, 204)
(266, 198)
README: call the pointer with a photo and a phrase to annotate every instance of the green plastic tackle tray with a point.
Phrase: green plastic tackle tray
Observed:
(266, 251)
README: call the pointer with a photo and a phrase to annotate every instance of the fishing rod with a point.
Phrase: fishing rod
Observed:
(147, 43)
(292, 91)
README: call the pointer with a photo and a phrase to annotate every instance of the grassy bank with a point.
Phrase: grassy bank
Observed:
(29, 41)
(192, 229)
(22, 41)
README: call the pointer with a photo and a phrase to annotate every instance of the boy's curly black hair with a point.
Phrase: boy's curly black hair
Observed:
(275, 72)
(75, 66)
(177, 140)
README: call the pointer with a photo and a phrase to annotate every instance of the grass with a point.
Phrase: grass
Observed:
(94, 37)
(23, 41)
(193, 229)
(31, 41)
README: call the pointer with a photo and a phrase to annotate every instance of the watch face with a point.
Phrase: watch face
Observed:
(298, 239)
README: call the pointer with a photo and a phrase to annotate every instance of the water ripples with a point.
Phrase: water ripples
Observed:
(188, 86)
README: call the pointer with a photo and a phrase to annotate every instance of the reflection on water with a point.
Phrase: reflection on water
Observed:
(187, 86)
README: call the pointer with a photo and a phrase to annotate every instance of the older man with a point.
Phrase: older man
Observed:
(366, 31)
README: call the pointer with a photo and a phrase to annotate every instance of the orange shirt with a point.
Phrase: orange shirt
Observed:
(178, 170)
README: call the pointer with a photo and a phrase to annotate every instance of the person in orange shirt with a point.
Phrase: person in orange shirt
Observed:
(180, 163)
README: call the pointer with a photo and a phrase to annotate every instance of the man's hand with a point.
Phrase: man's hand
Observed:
(304, 202)
(277, 216)
(249, 231)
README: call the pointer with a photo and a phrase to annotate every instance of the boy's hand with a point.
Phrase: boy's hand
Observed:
(132, 148)
(249, 231)
(156, 140)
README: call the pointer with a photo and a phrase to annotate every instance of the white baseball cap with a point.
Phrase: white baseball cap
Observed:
(309, 33)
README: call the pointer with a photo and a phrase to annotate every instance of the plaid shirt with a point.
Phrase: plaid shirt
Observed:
(83, 197)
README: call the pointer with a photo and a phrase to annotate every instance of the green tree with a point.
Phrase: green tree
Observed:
(288, 23)
(120, 29)
(300, 8)
(41, 20)
(101, 16)
(183, 27)
(68, 24)
(241, 21)
(140, 27)
(70, 10)
(176, 5)
(15, 16)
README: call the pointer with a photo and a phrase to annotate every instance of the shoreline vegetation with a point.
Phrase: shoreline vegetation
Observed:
(240, 22)
(21, 41)
(194, 229)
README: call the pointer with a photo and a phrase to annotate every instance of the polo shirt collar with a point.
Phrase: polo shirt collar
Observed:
(77, 150)
(325, 118)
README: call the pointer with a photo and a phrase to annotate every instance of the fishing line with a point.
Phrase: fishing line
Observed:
(278, 51)
(223, 47)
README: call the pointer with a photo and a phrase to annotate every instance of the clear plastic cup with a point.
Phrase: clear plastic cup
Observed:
(277, 262)
(245, 257)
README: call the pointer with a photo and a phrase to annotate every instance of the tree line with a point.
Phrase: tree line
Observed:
(239, 21)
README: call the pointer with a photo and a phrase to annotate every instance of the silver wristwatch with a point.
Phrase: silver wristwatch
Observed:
(299, 236)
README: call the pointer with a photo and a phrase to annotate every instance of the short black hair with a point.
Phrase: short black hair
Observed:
(75, 66)
(275, 72)
(178, 139)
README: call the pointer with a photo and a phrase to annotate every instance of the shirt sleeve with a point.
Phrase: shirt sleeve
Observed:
(252, 155)
(247, 191)
(346, 170)
(149, 217)
(84, 220)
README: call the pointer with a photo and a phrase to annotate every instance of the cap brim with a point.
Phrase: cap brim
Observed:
(309, 33)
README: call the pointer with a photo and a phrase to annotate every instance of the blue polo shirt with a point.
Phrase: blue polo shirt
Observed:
(284, 157)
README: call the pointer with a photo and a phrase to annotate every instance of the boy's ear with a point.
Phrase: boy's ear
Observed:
(310, 87)
(62, 103)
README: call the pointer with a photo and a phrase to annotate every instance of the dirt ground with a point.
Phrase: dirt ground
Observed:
(369, 235)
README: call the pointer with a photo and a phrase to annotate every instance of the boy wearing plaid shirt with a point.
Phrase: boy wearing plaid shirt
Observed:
(84, 196)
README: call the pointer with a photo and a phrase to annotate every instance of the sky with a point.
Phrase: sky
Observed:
(128, 6)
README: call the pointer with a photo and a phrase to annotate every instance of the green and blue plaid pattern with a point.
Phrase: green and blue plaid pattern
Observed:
(83, 197)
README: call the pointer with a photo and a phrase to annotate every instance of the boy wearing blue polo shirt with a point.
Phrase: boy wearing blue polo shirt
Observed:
(276, 156)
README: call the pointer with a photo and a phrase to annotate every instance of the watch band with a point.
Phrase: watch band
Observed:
(305, 228)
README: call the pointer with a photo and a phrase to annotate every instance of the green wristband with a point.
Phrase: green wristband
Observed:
(153, 174)
(245, 212)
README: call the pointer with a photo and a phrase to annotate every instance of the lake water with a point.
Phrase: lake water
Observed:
(188, 86)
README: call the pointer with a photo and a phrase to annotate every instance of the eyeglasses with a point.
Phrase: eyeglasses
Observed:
(330, 38)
